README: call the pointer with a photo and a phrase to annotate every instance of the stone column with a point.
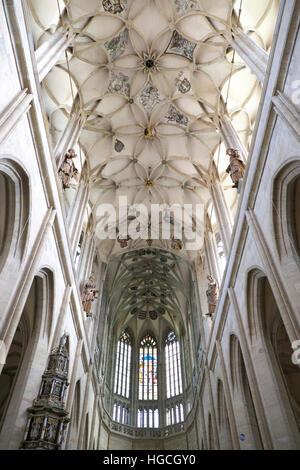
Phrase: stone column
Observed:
(251, 53)
(77, 213)
(49, 53)
(213, 269)
(69, 137)
(231, 138)
(13, 113)
(86, 257)
(223, 214)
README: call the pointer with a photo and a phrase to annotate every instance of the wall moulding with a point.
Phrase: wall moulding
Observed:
(12, 114)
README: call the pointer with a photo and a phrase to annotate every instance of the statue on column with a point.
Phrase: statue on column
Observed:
(90, 293)
(68, 170)
(236, 167)
(123, 241)
(212, 295)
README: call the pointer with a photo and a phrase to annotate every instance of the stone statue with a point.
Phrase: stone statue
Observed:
(236, 167)
(123, 241)
(68, 170)
(176, 244)
(212, 295)
(89, 295)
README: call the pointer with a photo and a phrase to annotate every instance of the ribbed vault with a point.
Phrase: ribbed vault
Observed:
(152, 81)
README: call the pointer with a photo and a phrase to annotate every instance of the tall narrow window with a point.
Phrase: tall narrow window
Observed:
(148, 369)
(123, 361)
(173, 366)
(174, 414)
(148, 417)
(121, 413)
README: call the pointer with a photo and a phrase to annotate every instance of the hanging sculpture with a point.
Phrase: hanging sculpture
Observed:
(48, 419)
(68, 170)
(212, 295)
(236, 167)
(89, 295)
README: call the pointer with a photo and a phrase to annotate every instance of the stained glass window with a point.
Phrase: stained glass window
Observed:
(123, 362)
(173, 366)
(148, 369)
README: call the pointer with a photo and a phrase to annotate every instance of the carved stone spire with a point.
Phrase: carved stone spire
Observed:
(48, 419)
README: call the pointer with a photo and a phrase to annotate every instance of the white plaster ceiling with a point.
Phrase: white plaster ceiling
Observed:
(156, 64)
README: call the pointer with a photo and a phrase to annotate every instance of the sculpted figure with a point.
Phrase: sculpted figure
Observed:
(176, 244)
(212, 295)
(123, 241)
(68, 170)
(236, 167)
(89, 295)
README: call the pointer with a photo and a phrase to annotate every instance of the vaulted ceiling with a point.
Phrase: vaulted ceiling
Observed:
(151, 79)
(148, 289)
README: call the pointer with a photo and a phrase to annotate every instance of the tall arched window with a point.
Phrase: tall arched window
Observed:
(123, 362)
(148, 369)
(173, 366)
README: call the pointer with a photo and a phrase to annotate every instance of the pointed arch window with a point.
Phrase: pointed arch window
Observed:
(123, 363)
(173, 366)
(148, 369)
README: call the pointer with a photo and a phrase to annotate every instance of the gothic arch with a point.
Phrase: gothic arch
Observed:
(211, 445)
(86, 433)
(271, 334)
(46, 290)
(75, 418)
(243, 392)
(34, 324)
(286, 210)
(223, 419)
(14, 209)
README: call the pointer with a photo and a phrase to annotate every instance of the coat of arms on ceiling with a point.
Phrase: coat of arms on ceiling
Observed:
(114, 6)
(117, 45)
(173, 115)
(149, 98)
(119, 146)
(119, 83)
(181, 46)
(182, 83)
(182, 6)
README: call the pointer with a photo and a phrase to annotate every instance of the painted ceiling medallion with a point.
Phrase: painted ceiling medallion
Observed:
(173, 115)
(149, 63)
(181, 46)
(149, 183)
(116, 46)
(119, 146)
(119, 83)
(113, 6)
(149, 98)
(182, 83)
(149, 132)
(184, 6)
